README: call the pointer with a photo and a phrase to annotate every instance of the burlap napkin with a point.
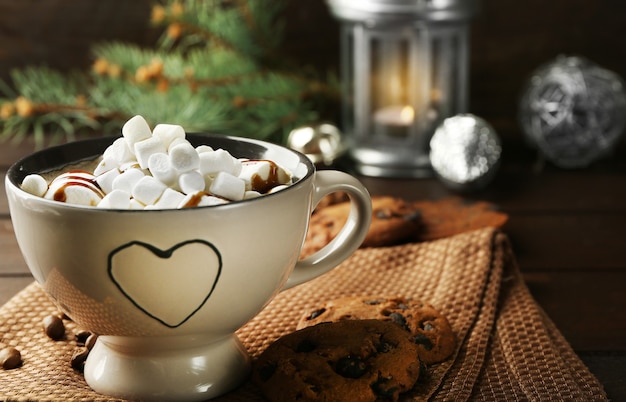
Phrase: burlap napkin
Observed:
(508, 349)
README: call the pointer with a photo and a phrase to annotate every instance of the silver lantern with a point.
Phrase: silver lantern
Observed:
(404, 68)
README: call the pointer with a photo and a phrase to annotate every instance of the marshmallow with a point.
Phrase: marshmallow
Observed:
(148, 190)
(79, 195)
(284, 176)
(130, 165)
(119, 152)
(168, 133)
(228, 186)
(75, 177)
(251, 194)
(219, 161)
(35, 185)
(136, 129)
(200, 200)
(116, 199)
(170, 199)
(255, 172)
(209, 200)
(184, 157)
(105, 180)
(277, 188)
(146, 148)
(134, 204)
(177, 141)
(127, 180)
(161, 168)
(208, 180)
(191, 182)
(263, 175)
(105, 165)
(203, 148)
(75, 187)
(258, 167)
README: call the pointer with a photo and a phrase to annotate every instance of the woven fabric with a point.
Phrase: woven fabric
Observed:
(508, 349)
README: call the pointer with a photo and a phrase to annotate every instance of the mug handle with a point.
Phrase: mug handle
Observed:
(349, 237)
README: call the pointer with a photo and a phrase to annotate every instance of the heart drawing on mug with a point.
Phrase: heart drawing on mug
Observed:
(168, 285)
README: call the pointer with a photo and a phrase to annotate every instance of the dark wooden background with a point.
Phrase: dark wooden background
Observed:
(568, 227)
(510, 38)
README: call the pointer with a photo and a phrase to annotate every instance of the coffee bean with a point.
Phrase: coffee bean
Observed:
(53, 327)
(10, 358)
(78, 359)
(91, 340)
(81, 336)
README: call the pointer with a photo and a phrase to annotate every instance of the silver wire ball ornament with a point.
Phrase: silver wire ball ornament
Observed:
(573, 111)
(465, 152)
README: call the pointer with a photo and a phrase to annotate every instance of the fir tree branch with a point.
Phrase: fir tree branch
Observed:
(215, 69)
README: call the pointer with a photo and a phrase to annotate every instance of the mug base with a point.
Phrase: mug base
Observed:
(166, 369)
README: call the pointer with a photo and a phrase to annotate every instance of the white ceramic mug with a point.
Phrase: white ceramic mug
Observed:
(166, 290)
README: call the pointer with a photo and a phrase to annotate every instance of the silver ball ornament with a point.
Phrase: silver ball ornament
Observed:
(573, 111)
(465, 152)
(321, 143)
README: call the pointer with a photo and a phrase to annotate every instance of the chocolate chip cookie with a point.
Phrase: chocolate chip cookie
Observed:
(393, 220)
(353, 360)
(429, 329)
(452, 215)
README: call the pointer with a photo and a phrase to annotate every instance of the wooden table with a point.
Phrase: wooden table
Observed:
(567, 227)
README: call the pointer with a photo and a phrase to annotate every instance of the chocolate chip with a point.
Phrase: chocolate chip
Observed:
(423, 340)
(78, 359)
(373, 302)
(53, 327)
(428, 326)
(267, 371)
(381, 387)
(305, 346)
(10, 358)
(413, 216)
(399, 319)
(350, 367)
(384, 214)
(316, 314)
(384, 347)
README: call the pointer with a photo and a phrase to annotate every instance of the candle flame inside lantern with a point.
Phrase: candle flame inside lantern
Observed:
(395, 115)
(407, 114)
